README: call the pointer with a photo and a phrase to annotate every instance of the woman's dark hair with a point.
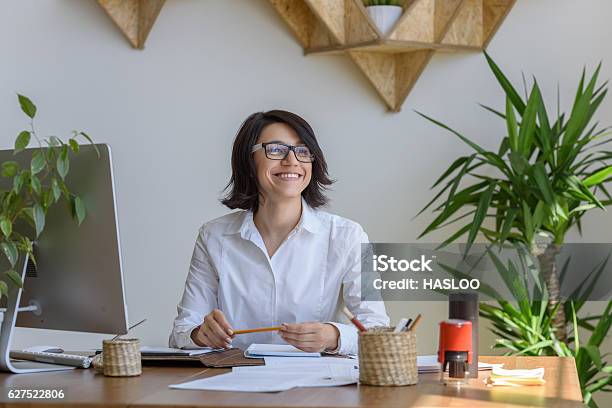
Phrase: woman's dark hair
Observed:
(243, 191)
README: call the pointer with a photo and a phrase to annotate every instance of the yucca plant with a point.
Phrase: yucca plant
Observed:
(542, 179)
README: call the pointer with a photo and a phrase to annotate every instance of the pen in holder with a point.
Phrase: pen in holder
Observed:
(119, 358)
(387, 358)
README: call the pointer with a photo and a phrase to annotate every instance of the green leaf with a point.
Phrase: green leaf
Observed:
(9, 168)
(39, 218)
(528, 123)
(89, 139)
(3, 288)
(598, 177)
(22, 141)
(55, 189)
(27, 106)
(506, 85)
(518, 162)
(62, 163)
(36, 186)
(541, 179)
(10, 250)
(6, 226)
(38, 162)
(481, 211)
(55, 141)
(79, 209)
(507, 226)
(14, 277)
(511, 125)
(74, 145)
(595, 356)
(20, 180)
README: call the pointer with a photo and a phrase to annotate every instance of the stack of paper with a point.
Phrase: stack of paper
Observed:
(286, 367)
(515, 378)
(256, 350)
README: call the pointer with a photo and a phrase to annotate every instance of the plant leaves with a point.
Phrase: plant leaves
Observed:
(39, 218)
(79, 209)
(36, 186)
(10, 250)
(14, 277)
(55, 189)
(22, 141)
(6, 226)
(27, 106)
(598, 177)
(9, 168)
(481, 211)
(74, 145)
(38, 162)
(89, 139)
(3, 288)
(541, 179)
(62, 162)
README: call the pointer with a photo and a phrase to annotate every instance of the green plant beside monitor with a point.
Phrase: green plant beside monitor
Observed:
(34, 190)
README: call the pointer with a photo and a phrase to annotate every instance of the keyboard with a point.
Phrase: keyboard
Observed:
(53, 358)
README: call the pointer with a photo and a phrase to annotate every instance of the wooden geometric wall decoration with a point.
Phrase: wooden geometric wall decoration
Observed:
(133, 17)
(392, 63)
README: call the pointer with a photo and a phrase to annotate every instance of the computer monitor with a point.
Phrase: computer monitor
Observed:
(77, 283)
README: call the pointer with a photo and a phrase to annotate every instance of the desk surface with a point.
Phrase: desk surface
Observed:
(86, 388)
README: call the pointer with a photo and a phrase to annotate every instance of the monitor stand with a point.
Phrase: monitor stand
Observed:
(6, 331)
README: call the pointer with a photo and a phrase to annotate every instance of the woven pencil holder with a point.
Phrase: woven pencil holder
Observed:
(387, 358)
(121, 358)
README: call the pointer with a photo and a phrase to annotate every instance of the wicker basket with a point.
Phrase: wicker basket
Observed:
(121, 358)
(387, 358)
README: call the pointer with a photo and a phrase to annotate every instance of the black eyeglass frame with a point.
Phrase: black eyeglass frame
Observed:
(291, 148)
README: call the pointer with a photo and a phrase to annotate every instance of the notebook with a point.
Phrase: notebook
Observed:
(229, 358)
(256, 350)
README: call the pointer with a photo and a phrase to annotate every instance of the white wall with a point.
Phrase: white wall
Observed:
(170, 113)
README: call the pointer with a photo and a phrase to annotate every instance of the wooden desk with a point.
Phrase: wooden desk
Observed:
(85, 388)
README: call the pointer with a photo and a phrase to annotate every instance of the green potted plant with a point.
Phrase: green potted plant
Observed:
(384, 13)
(34, 190)
(545, 175)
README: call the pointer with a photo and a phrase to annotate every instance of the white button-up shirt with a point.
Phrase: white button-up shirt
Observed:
(302, 282)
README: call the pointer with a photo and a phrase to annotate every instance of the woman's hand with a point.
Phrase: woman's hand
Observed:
(215, 331)
(311, 337)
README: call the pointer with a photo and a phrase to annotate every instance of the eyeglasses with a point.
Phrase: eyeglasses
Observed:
(278, 151)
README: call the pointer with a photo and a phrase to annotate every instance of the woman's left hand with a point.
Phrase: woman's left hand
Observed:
(311, 337)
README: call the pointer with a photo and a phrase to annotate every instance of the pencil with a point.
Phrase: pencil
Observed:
(260, 329)
(354, 320)
(415, 323)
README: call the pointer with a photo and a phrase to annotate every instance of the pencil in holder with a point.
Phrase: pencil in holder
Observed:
(387, 358)
(121, 358)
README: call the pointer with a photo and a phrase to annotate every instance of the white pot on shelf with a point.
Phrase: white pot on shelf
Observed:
(385, 17)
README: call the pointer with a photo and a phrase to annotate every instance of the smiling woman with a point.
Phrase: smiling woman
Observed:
(281, 261)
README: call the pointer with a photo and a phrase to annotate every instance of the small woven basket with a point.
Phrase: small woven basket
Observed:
(121, 358)
(387, 358)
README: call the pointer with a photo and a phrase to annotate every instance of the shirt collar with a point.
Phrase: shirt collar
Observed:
(309, 220)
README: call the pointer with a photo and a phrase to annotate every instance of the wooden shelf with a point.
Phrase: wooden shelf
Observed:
(133, 17)
(393, 62)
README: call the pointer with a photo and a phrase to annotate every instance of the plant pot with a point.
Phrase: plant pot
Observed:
(385, 17)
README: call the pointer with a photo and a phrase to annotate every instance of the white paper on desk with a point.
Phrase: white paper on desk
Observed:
(257, 350)
(173, 351)
(245, 382)
(314, 375)
(300, 361)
